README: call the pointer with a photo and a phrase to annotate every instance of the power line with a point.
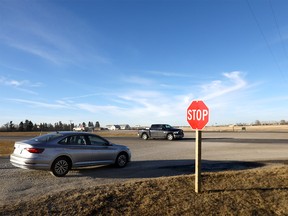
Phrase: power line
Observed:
(278, 29)
(265, 39)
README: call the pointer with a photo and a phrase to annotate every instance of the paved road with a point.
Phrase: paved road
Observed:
(152, 158)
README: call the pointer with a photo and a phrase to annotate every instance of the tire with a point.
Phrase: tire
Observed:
(144, 136)
(170, 137)
(60, 167)
(121, 160)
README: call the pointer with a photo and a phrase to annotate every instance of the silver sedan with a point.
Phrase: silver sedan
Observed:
(61, 151)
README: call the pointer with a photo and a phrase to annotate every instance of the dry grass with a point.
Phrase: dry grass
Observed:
(262, 191)
(22, 134)
(249, 128)
(105, 133)
(6, 147)
(117, 133)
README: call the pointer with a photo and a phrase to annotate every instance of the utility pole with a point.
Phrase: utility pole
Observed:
(70, 124)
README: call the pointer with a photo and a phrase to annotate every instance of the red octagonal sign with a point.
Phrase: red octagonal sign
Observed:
(197, 115)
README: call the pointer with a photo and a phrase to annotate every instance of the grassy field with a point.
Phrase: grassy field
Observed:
(249, 128)
(261, 191)
(6, 147)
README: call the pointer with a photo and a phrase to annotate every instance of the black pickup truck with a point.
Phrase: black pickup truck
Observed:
(161, 131)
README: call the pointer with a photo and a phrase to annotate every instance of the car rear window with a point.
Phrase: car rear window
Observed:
(46, 138)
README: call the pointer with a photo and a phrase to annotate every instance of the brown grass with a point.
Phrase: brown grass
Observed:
(22, 134)
(262, 191)
(6, 147)
(105, 133)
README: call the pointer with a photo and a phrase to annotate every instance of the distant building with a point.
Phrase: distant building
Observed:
(125, 127)
(113, 127)
(79, 128)
(118, 127)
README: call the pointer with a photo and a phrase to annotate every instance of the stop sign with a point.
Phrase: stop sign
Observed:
(197, 114)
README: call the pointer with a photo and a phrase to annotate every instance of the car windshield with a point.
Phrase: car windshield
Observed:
(46, 138)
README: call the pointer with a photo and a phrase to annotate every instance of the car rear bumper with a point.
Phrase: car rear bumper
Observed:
(25, 163)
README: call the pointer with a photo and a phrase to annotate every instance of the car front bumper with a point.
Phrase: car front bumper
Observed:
(178, 136)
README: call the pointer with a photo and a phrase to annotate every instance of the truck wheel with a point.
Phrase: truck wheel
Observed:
(170, 137)
(144, 136)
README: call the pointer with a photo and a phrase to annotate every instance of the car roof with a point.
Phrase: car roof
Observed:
(72, 133)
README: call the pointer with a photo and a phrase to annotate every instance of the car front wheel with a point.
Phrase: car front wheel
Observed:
(121, 160)
(60, 167)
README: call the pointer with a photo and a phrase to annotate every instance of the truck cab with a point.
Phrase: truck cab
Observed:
(161, 131)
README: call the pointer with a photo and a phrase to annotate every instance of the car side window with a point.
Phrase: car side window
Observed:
(97, 141)
(74, 140)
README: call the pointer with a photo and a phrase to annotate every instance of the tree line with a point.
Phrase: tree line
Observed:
(28, 125)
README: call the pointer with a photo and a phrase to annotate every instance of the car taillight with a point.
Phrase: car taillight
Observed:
(35, 150)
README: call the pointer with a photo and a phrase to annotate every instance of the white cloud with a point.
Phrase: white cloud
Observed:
(21, 85)
(41, 104)
(139, 80)
(169, 74)
(217, 88)
(96, 108)
(146, 106)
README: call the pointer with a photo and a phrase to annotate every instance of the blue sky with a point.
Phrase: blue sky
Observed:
(142, 62)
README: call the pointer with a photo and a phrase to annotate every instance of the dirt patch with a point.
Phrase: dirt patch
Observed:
(260, 191)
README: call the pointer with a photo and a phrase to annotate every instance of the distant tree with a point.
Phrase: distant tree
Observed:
(50, 127)
(43, 127)
(29, 126)
(90, 124)
(71, 126)
(11, 126)
(61, 126)
(283, 122)
(21, 126)
(6, 126)
(56, 126)
(84, 124)
(97, 125)
(257, 122)
(35, 127)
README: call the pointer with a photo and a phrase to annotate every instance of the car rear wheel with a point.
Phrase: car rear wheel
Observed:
(144, 136)
(121, 160)
(170, 137)
(60, 167)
